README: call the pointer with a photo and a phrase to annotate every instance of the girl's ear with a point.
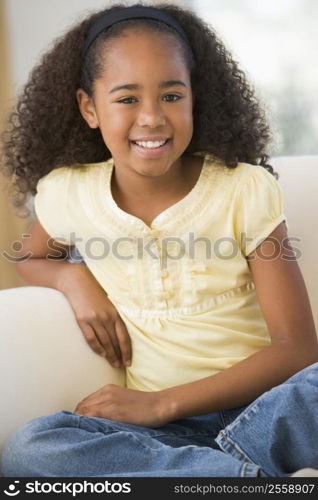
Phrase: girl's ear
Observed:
(87, 108)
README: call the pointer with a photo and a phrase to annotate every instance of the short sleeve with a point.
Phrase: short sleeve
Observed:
(51, 204)
(259, 208)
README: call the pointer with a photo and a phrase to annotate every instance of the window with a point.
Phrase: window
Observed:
(276, 43)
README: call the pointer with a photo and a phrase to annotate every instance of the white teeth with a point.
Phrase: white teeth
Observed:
(150, 144)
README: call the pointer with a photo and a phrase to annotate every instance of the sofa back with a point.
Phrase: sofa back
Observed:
(298, 178)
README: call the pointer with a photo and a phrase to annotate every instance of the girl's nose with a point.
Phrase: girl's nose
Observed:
(151, 115)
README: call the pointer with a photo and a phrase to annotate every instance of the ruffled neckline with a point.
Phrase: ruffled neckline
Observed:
(201, 203)
(167, 214)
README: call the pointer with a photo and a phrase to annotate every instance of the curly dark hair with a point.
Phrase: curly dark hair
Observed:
(47, 131)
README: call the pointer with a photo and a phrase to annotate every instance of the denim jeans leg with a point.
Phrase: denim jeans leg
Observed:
(67, 445)
(279, 430)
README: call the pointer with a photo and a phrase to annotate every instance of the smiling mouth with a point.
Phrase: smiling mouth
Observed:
(150, 144)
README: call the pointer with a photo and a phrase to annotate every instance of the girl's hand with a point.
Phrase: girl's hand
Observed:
(125, 405)
(99, 320)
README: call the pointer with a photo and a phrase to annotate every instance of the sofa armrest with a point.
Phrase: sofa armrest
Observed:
(46, 364)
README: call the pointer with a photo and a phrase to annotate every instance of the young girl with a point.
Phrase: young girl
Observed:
(146, 150)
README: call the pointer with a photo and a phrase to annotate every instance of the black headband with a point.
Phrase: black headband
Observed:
(126, 13)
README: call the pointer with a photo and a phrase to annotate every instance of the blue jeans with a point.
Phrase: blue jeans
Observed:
(274, 436)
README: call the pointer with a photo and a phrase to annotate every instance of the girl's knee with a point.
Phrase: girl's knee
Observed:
(309, 375)
(27, 446)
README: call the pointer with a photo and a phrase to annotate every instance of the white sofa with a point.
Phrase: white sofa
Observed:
(46, 364)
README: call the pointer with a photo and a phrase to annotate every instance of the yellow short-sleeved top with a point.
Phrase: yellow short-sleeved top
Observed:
(182, 286)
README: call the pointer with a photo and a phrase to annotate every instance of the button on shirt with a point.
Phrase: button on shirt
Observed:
(182, 286)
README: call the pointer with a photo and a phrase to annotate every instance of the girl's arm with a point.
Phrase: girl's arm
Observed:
(284, 301)
(43, 263)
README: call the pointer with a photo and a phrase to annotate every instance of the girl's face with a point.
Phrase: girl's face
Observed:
(142, 102)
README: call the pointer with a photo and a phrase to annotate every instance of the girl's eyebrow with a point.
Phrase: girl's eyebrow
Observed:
(135, 86)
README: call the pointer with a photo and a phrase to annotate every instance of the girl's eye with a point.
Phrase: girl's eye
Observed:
(174, 97)
(124, 101)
